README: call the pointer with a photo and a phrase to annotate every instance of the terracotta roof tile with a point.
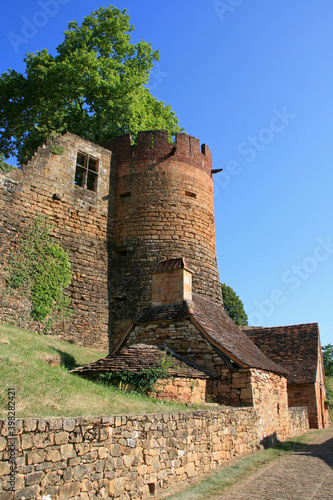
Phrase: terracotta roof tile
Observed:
(229, 336)
(216, 325)
(295, 347)
(164, 312)
(138, 357)
(169, 264)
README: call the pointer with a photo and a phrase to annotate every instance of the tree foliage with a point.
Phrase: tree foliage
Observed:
(41, 270)
(93, 87)
(233, 306)
(328, 359)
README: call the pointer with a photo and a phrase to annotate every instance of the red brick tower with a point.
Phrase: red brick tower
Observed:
(164, 208)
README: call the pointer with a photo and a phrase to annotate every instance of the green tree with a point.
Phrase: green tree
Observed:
(94, 87)
(233, 306)
(328, 359)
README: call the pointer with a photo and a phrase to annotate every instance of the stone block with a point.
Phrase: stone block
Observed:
(116, 487)
(29, 493)
(67, 451)
(61, 438)
(69, 490)
(68, 424)
(34, 478)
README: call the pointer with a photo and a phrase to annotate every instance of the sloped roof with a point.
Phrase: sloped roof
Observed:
(295, 347)
(169, 264)
(216, 326)
(138, 357)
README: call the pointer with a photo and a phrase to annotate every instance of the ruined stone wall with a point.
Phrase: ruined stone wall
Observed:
(164, 208)
(124, 457)
(232, 388)
(270, 398)
(81, 220)
(154, 200)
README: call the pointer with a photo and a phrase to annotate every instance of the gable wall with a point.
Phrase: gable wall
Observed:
(181, 336)
(304, 395)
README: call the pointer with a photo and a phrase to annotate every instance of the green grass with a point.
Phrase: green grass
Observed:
(216, 483)
(48, 391)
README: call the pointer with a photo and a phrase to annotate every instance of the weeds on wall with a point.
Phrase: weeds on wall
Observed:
(5, 167)
(57, 150)
(40, 270)
(143, 381)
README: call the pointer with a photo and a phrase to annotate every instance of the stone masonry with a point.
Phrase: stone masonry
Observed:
(128, 457)
(150, 201)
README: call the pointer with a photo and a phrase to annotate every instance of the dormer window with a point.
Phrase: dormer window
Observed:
(86, 171)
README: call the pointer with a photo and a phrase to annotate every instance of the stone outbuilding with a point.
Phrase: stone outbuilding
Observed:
(207, 345)
(297, 348)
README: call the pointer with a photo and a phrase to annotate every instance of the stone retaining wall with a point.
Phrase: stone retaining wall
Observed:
(125, 457)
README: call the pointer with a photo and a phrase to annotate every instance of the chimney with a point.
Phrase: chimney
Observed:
(172, 283)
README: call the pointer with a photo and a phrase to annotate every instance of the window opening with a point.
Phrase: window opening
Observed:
(121, 251)
(190, 195)
(86, 172)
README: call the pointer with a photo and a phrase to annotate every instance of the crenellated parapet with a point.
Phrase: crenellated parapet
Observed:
(155, 146)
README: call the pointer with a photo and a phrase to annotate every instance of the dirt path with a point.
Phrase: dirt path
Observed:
(304, 475)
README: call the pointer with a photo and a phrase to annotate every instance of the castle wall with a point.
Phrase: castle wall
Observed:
(81, 218)
(128, 456)
(164, 208)
(154, 200)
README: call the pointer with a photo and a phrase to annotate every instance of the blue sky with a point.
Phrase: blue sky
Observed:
(253, 80)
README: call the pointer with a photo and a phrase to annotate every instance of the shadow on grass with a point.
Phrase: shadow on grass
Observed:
(66, 360)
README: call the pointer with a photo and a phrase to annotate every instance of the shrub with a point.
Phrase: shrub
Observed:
(144, 380)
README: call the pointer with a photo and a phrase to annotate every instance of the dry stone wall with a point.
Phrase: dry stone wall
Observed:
(125, 457)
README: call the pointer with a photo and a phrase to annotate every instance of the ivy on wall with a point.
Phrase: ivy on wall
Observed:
(40, 269)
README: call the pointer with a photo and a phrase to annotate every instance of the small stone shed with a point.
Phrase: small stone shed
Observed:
(186, 382)
(297, 348)
(227, 366)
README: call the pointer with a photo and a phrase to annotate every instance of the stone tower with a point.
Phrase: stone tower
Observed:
(163, 208)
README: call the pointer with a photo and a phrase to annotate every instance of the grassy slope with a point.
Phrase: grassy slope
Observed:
(42, 390)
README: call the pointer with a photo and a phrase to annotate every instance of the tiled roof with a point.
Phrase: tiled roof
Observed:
(217, 327)
(295, 347)
(164, 312)
(167, 265)
(138, 357)
(229, 337)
